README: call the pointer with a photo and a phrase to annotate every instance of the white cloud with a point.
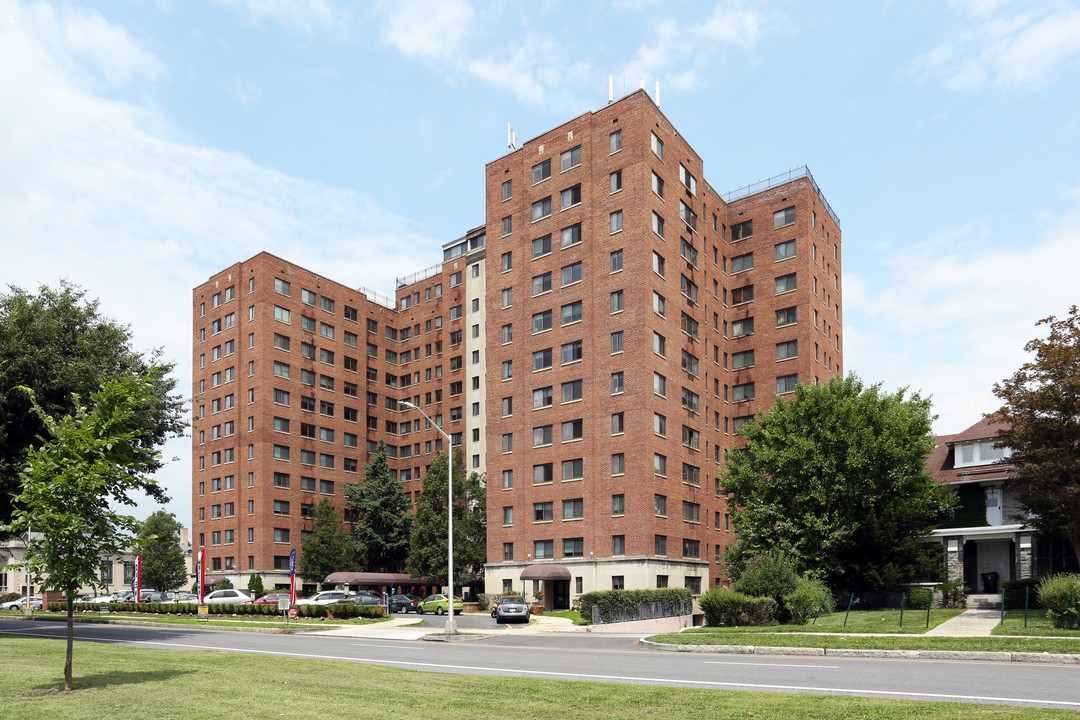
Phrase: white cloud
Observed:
(433, 31)
(103, 193)
(961, 317)
(304, 16)
(82, 41)
(1013, 51)
(244, 91)
(679, 54)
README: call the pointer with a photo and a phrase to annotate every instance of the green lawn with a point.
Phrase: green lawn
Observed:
(861, 621)
(568, 614)
(1037, 624)
(113, 681)
(731, 636)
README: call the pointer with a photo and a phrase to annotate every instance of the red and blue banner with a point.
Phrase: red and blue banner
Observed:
(292, 576)
(136, 579)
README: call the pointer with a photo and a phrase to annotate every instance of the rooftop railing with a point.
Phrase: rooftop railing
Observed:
(419, 275)
(776, 181)
(379, 298)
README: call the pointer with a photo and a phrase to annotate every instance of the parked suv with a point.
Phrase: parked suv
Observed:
(232, 595)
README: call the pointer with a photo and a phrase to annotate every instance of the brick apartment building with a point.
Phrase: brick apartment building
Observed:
(630, 321)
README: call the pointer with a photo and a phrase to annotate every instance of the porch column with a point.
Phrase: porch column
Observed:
(1024, 557)
(954, 558)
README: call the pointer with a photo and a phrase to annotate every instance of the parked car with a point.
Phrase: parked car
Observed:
(20, 603)
(326, 597)
(232, 595)
(403, 603)
(271, 599)
(101, 599)
(512, 609)
(365, 597)
(438, 604)
(171, 596)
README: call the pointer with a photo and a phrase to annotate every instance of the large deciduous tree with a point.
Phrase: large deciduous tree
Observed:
(89, 462)
(58, 344)
(1042, 413)
(427, 550)
(328, 549)
(163, 565)
(383, 529)
(471, 554)
(836, 479)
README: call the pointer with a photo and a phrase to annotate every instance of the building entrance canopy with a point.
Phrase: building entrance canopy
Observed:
(545, 571)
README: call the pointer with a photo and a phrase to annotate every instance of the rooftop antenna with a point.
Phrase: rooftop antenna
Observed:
(511, 137)
(641, 79)
(657, 93)
(610, 89)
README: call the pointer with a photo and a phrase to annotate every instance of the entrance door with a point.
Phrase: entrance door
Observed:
(971, 566)
(560, 596)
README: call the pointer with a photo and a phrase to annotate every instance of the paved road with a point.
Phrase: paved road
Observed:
(582, 656)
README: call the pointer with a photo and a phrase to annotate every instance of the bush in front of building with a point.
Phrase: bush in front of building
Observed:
(730, 608)
(612, 603)
(808, 599)
(919, 598)
(954, 594)
(1060, 595)
(1019, 592)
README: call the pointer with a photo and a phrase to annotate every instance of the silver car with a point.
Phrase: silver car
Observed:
(20, 603)
(232, 595)
(513, 609)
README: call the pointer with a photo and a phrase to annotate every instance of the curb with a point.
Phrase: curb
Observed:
(977, 656)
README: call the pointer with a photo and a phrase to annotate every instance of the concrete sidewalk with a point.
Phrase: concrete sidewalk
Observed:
(973, 622)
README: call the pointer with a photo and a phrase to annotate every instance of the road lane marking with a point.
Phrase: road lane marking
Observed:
(757, 664)
(615, 678)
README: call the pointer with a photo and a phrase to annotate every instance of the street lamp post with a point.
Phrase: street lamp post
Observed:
(450, 624)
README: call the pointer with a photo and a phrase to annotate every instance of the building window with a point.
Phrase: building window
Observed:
(617, 301)
(507, 228)
(543, 474)
(739, 328)
(571, 313)
(741, 360)
(785, 250)
(508, 480)
(618, 423)
(571, 274)
(541, 171)
(615, 141)
(787, 316)
(618, 464)
(785, 283)
(616, 383)
(616, 261)
(570, 196)
(616, 221)
(660, 545)
(540, 284)
(542, 321)
(572, 430)
(616, 342)
(543, 512)
(741, 392)
(787, 350)
(616, 181)
(659, 344)
(573, 469)
(784, 217)
(660, 465)
(657, 145)
(786, 383)
(742, 263)
(691, 549)
(742, 230)
(541, 209)
(741, 295)
(571, 236)
(659, 384)
(570, 159)
(658, 224)
(507, 189)
(541, 246)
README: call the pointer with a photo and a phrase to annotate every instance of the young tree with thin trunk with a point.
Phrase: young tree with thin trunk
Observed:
(89, 462)
(1042, 413)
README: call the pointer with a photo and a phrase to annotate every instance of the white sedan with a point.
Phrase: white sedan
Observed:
(20, 603)
(218, 597)
(326, 597)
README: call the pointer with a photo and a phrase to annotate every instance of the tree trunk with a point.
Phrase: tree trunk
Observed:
(70, 640)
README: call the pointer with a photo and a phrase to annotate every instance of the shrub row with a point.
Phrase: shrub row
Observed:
(611, 602)
(730, 608)
(919, 598)
(343, 610)
(1060, 595)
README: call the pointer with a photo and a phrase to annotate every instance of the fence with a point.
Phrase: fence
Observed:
(644, 611)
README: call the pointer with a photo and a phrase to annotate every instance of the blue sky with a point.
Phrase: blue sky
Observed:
(145, 145)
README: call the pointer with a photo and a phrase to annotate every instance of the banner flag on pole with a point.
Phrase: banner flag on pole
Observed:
(199, 571)
(292, 576)
(136, 579)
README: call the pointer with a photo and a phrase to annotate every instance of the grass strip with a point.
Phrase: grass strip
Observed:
(260, 621)
(116, 681)
(1037, 624)
(872, 642)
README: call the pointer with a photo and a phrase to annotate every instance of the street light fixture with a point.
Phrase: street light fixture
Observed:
(450, 625)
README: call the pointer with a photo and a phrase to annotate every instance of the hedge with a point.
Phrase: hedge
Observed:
(611, 602)
(1017, 590)
(728, 608)
(339, 611)
(1060, 595)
